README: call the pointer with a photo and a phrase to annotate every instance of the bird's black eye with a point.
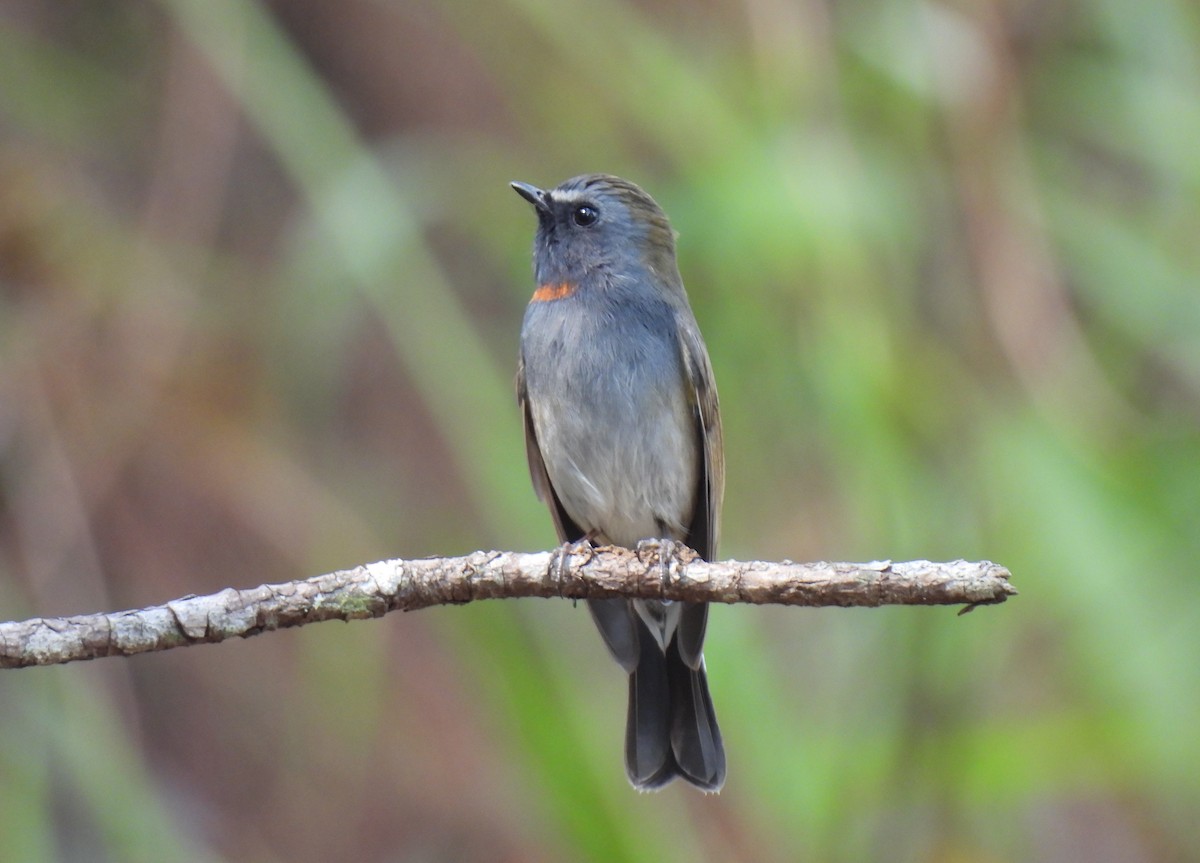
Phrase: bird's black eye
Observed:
(584, 216)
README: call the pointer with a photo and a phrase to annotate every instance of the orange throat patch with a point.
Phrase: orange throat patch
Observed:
(553, 291)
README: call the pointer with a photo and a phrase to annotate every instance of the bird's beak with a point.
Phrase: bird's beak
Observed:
(533, 195)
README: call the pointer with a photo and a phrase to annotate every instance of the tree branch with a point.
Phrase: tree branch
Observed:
(653, 572)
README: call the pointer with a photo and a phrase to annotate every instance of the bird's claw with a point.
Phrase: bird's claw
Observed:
(665, 551)
(563, 554)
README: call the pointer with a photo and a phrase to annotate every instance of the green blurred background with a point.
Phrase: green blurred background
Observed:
(261, 279)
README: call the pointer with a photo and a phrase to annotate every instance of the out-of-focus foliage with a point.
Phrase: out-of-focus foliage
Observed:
(261, 279)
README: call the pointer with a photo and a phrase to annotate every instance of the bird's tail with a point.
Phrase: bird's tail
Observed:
(671, 729)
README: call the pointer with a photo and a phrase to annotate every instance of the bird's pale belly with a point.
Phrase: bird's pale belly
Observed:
(625, 475)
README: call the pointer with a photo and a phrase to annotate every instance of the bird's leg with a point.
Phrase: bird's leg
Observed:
(583, 545)
(665, 549)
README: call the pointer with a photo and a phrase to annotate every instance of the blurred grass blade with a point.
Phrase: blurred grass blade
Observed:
(373, 231)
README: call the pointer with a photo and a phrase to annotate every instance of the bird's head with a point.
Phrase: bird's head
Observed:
(599, 226)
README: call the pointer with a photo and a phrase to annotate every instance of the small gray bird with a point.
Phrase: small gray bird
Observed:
(623, 437)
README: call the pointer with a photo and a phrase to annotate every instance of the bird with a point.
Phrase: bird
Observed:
(623, 438)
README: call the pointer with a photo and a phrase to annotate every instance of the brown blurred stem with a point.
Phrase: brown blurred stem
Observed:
(575, 573)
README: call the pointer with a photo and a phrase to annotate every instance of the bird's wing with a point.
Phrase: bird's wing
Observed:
(704, 526)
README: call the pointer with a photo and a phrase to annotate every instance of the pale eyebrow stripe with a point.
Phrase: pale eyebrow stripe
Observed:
(566, 196)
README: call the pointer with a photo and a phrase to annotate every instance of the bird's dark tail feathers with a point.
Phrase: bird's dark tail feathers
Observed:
(671, 729)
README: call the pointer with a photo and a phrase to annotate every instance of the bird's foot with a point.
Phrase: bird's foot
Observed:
(562, 556)
(663, 553)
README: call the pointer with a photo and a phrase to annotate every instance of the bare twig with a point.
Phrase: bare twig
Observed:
(375, 589)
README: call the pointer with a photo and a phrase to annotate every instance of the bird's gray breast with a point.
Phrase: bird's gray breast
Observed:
(607, 395)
